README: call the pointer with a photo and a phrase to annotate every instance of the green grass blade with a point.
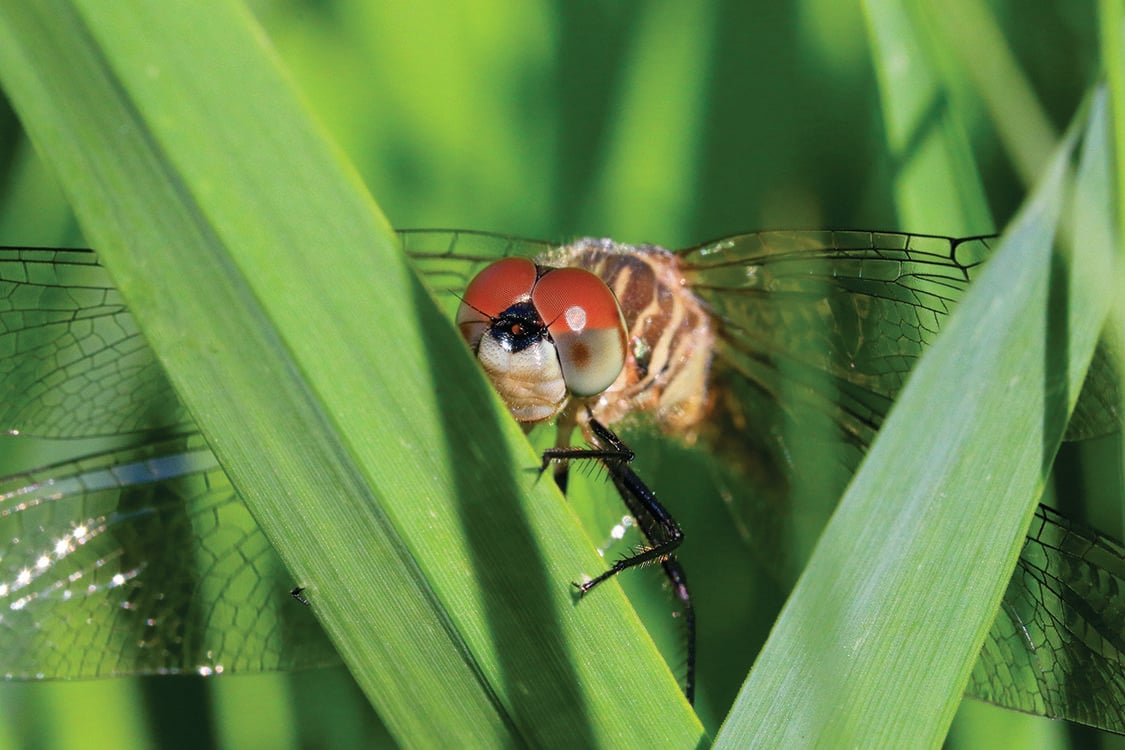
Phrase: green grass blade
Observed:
(1111, 18)
(937, 186)
(366, 443)
(965, 27)
(1112, 22)
(639, 196)
(875, 645)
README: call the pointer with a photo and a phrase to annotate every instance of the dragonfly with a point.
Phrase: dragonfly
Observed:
(825, 322)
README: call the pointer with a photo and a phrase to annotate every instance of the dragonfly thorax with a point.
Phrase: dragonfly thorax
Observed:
(670, 335)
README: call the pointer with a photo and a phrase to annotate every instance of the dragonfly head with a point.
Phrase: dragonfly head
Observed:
(543, 334)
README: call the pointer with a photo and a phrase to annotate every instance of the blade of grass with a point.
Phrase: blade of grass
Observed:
(366, 443)
(1111, 17)
(937, 186)
(965, 28)
(1112, 22)
(641, 196)
(875, 645)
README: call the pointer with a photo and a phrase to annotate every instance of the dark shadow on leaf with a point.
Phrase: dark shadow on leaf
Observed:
(507, 564)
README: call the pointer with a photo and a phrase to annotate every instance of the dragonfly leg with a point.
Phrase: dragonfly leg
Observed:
(607, 447)
(659, 528)
(655, 523)
(562, 475)
(676, 575)
(563, 453)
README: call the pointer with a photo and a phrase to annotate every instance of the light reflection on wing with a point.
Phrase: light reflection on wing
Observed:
(88, 587)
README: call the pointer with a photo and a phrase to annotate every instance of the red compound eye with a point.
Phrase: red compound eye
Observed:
(501, 285)
(585, 322)
(493, 290)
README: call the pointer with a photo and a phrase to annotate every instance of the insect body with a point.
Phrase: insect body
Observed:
(553, 340)
(659, 350)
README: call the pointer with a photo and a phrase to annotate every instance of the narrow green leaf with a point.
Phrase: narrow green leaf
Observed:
(1112, 27)
(937, 186)
(876, 643)
(965, 27)
(1112, 18)
(640, 196)
(366, 443)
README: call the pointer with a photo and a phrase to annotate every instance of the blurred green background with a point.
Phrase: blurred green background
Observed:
(657, 121)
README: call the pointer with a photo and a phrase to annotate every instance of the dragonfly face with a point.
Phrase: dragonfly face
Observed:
(831, 320)
(542, 334)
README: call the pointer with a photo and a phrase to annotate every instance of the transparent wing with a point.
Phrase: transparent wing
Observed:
(448, 259)
(143, 561)
(847, 314)
(72, 361)
(829, 324)
(816, 325)
(844, 314)
(1058, 646)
